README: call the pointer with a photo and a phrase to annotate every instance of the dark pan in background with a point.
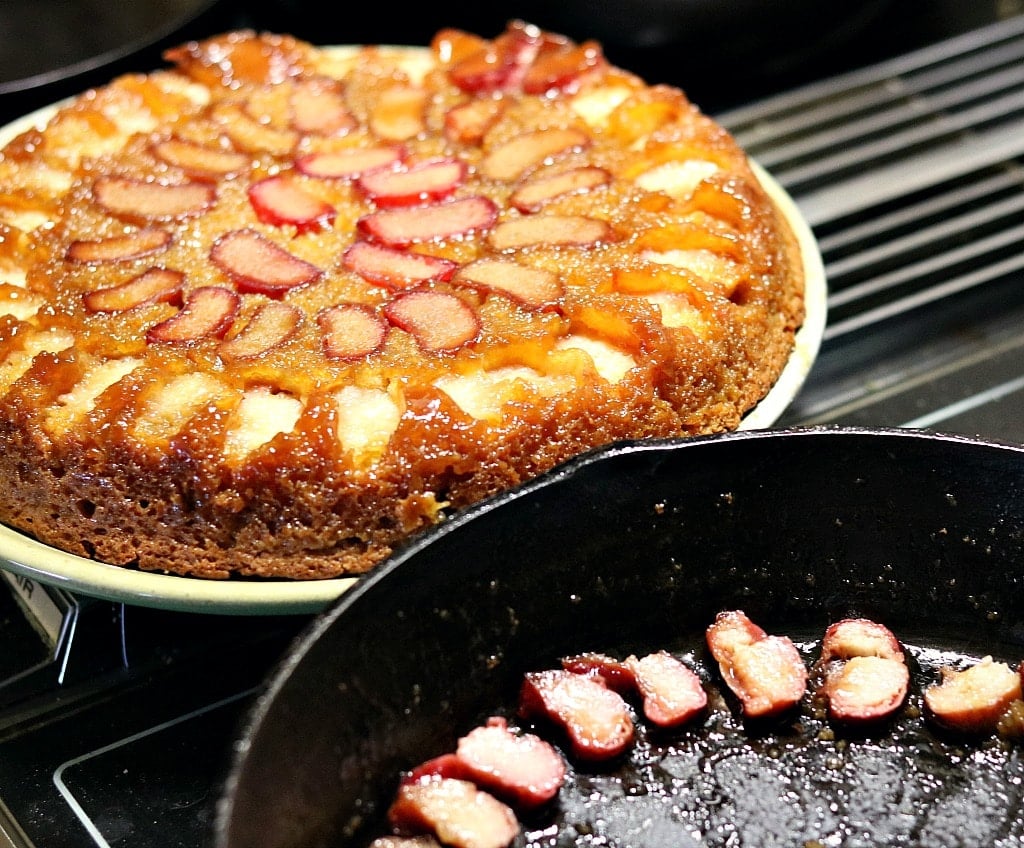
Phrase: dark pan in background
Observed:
(50, 49)
(635, 548)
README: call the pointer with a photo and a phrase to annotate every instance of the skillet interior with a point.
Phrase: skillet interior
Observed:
(635, 548)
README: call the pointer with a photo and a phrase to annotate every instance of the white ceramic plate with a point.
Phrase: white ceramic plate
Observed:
(808, 337)
(31, 559)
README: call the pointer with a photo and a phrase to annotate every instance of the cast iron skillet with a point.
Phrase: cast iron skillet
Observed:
(633, 548)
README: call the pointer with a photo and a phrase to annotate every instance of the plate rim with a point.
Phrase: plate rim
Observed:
(27, 557)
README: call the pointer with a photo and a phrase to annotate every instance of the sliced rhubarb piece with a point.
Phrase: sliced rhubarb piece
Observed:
(859, 637)
(452, 45)
(569, 230)
(765, 672)
(595, 718)
(865, 676)
(497, 65)
(207, 313)
(534, 288)
(243, 56)
(561, 66)
(532, 195)
(515, 157)
(521, 768)
(613, 671)
(407, 225)
(139, 199)
(423, 182)
(399, 113)
(351, 331)
(486, 69)
(395, 269)
(271, 325)
(252, 135)
(468, 123)
(973, 699)
(278, 201)
(258, 265)
(444, 765)
(456, 811)
(133, 245)
(348, 164)
(439, 322)
(318, 108)
(157, 285)
(671, 691)
(200, 161)
(865, 688)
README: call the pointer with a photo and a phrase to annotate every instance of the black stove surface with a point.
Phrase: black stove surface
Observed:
(117, 722)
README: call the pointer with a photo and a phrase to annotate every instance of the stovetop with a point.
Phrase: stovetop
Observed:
(117, 722)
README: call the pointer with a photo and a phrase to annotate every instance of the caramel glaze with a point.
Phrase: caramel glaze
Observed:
(300, 505)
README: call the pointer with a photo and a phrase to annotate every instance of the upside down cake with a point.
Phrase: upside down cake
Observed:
(275, 307)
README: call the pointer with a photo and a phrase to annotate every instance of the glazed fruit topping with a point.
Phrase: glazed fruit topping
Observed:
(351, 331)
(318, 108)
(258, 265)
(559, 66)
(865, 674)
(395, 269)
(765, 672)
(251, 134)
(407, 225)
(398, 113)
(422, 182)
(347, 164)
(522, 58)
(456, 811)
(132, 245)
(533, 194)
(548, 230)
(140, 199)
(521, 768)
(865, 688)
(534, 288)
(199, 160)
(595, 718)
(859, 637)
(243, 56)
(439, 322)
(270, 326)
(671, 691)
(974, 699)
(468, 123)
(207, 313)
(157, 285)
(278, 201)
(480, 66)
(515, 157)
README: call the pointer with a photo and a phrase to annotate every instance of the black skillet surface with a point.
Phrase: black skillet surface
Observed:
(50, 49)
(635, 548)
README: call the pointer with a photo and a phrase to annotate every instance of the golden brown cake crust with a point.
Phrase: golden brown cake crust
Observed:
(275, 308)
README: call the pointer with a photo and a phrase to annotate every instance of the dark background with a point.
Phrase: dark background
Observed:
(721, 52)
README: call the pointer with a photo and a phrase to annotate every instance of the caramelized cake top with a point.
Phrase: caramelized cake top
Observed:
(274, 308)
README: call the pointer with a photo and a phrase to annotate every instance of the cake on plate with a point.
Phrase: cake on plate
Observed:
(274, 308)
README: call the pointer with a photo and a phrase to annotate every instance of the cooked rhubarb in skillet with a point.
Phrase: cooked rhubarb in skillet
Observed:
(517, 780)
(272, 309)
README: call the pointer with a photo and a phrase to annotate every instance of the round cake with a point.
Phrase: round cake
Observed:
(271, 310)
